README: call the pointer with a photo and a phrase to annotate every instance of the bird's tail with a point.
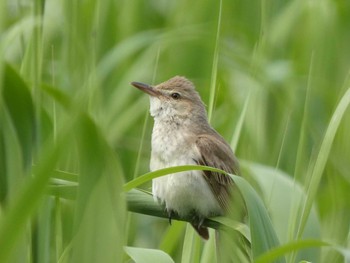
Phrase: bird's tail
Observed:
(201, 230)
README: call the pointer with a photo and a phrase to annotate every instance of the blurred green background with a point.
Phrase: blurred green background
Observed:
(73, 130)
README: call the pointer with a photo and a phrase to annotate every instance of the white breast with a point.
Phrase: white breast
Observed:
(184, 192)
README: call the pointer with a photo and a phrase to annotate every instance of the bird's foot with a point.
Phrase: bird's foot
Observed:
(197, 220)
(197, 223)
(170, 214)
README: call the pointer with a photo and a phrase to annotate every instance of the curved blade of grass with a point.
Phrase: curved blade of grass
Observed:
(239, 125)
(322, 158)
(20, 106)
(26, 202)
(281, 194)
(263, 235)
(151, 175)
(235, 225)
(280, 251)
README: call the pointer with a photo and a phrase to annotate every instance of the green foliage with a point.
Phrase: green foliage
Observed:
(148, 255)
(75, 142)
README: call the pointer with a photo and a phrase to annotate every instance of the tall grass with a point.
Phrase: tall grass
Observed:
(75, 139)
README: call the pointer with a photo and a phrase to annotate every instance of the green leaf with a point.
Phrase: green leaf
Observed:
(58, 95)
(188, 247)
(282, 197)
(27, 200)
(100, 207)
(263, 236)
(281, 194)
(144, 255)
(322, 158)
(151, 175)
(19, 103)
(280, 251)
(234, 225)
(344, 251)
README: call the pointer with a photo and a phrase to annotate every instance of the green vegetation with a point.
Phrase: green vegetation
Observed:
(75, 136)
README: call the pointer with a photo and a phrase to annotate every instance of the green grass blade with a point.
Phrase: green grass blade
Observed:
(20, 107)
(100, 209)
(239, 125)
(188, 249)
(214, 69)
(322, 158)
(151, 175)
(209, 254)
(281, 194)
(26, 202)
(280, 251)
(173, 237)
(234, 225)
(263, 236)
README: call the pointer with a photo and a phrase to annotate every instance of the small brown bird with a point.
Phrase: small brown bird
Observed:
(182, 136)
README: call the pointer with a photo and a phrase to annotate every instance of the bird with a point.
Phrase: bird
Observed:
(182, 135)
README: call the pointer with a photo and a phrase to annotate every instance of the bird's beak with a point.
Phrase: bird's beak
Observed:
(146, 88)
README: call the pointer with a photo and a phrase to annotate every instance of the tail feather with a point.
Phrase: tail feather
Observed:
(202, 231)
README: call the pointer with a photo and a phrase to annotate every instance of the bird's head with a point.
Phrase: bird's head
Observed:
(174, 98)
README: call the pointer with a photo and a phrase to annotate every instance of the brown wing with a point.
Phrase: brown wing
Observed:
(215, 152)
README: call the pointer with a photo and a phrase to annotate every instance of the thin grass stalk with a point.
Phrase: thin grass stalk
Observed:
(139, 152)
(37, 63)
(239, 126)
(279, 158)
(3, 16)
(295, 220)
(58, 229)
(214, 69)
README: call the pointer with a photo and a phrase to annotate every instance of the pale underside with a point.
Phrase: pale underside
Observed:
(185, 193)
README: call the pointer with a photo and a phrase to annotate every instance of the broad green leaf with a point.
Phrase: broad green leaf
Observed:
(100, 207)
(281, 251)
(26, 201)
(263, 235)
(281, 195)
(210, 249)
(188, 248)
(20, 107)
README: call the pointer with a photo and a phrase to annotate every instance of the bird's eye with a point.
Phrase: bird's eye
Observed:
(175, 95)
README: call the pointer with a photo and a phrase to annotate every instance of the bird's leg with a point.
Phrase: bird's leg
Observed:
(170, 214)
